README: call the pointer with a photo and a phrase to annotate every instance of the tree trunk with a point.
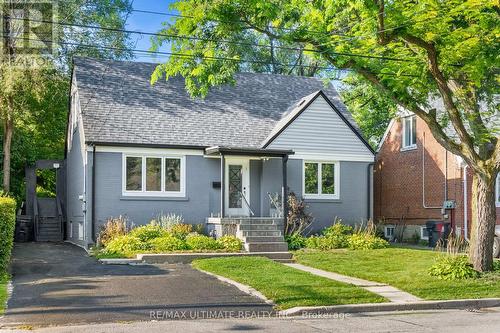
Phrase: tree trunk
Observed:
(7, 143)
(483, 222)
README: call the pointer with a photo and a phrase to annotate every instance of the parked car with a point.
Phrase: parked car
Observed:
(496, 243)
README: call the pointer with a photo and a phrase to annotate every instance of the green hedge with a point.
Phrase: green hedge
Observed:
(7, 226)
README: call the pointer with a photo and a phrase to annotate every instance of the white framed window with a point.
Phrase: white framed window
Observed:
(424, 234)
(321, 180)
(389, 231)
(409, 132)
(153, 175)
(498, 191)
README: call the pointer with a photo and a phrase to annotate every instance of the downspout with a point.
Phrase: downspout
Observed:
(93, 193)
(369, 187)
(423, 177)
(466, 226)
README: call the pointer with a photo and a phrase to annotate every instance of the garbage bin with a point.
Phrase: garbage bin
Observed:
(437, 230)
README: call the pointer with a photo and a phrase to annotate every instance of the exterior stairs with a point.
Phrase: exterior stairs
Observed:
(264, 235)
(48, 220)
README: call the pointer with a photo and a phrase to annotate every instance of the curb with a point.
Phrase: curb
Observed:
(382, 307)
(242, 287)
(120, 261)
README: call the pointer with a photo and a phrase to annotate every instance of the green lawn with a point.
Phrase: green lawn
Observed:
(4, 279)
(405, 269)
(287, 287)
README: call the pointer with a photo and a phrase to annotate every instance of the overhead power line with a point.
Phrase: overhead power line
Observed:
(174, 36)
(200, 57)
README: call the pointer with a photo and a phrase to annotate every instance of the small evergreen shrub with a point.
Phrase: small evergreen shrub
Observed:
(366, 241)
(167, 243)
(148, 232)
(230, 243)
(327, 243)
(453, 268)
(127, 245)
(295, 241)
(7, 226)
(114, 227)
(181, 230)
(202, 243)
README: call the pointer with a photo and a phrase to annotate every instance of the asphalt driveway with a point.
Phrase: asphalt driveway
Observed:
(59, 284)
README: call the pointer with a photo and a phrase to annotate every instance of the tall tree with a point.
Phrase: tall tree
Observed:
(34, 84)
(412, 52)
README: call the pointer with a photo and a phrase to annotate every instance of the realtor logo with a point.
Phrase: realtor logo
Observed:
(27, 27)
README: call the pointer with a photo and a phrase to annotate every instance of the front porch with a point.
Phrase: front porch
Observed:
(253, 192)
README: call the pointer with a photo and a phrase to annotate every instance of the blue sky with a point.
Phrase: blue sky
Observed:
(148, 23)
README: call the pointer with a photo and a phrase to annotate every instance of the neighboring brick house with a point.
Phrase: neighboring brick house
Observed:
(413, 178)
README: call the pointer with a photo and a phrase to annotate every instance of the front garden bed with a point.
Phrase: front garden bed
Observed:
(286, 286)
(406, 269)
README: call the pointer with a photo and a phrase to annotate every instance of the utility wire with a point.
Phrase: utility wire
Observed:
(173, 36)
(202, 57)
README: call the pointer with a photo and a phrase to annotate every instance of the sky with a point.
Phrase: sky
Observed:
(148, 23)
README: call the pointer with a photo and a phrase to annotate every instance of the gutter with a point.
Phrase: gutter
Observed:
(93, 194)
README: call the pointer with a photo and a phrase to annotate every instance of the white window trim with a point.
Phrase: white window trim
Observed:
(386, 228)
(162, 193)
(422, 233)
(403, 137)
(497, 200)
(320, 195)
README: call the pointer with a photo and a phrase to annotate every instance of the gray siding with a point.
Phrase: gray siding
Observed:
(320, 130)
(75, 187)
(200, 202)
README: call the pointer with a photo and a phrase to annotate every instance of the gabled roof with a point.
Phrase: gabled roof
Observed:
(120, 106)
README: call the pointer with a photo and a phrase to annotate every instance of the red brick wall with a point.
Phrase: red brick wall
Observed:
(398, 179)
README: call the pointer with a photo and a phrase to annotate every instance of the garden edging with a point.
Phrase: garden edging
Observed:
(463, 304)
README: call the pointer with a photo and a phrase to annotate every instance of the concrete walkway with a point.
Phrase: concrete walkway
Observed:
(392, 294)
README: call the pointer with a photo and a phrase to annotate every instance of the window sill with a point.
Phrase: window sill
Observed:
(409, 148)
(152, 198)
(332, 200)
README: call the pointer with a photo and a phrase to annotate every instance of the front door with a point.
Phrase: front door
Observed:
(237, 189)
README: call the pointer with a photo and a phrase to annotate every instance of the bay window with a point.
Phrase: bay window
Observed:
(153, 175)
(321, 180)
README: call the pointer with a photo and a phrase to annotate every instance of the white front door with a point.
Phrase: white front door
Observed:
(237, 188)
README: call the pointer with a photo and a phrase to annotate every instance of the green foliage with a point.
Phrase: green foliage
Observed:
(295, 241)
(167, 243)
(496, 265)
(337, 229)
(230, 243)
(327, 243)
(453, 268)
(181, 230)
(202, 243)
(148, 232)
(366, 241)
(7, 226)
(127, 245)
(114, 227)
(167, 221)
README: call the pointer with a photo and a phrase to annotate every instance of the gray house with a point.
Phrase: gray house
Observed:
(140, 150)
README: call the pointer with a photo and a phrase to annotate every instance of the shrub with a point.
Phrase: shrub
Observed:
(180, 230)
(327, 243)
(167, 221)
(298, 218)
(114, 227)
(167, 243)
(337, 229)
(148, 232)
(230, 243)
(126, 245)
(295, 241)
(7, 226)
(366, 241)
(201, 242)
(453, 268)
(496, 265)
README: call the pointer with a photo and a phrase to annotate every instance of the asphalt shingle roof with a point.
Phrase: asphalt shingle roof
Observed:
(119, 105)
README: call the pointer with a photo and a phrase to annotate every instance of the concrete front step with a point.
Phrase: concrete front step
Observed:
(263, 239)
(266, 247)
(260, 227)
(259, 233)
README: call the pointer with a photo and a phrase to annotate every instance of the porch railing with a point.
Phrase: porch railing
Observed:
(276, 204)
(247, 203)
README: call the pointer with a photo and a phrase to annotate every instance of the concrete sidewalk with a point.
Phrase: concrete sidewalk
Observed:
(394, 295)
